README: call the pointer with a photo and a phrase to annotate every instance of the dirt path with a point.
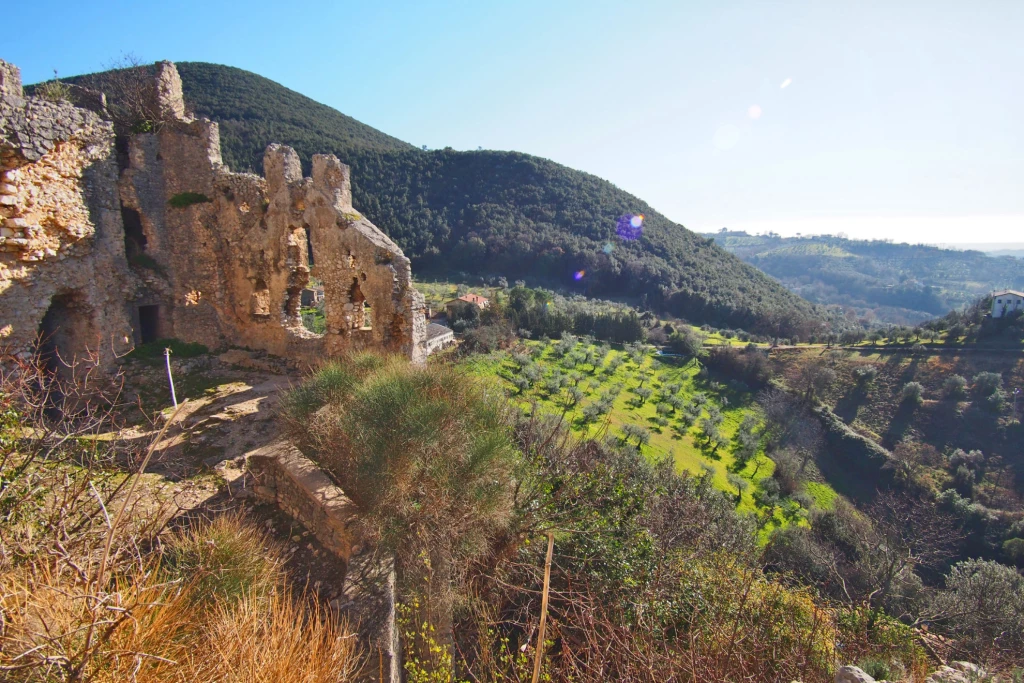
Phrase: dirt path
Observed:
(197, 469)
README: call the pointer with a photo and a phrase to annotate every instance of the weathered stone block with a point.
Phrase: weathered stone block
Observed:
(853, 674)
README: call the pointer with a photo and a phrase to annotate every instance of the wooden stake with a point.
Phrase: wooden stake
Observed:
(543, 608)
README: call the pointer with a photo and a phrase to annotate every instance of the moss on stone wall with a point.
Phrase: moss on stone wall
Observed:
(184, 199)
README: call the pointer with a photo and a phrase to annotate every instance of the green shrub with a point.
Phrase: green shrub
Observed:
(879, 669)
(955, 386)
(911, 392)
(987, 383)
(184, 199)
(994, 402)
(865, 374)
(884, 646)
(54, 91)
(426, 453)
(1013, 550)
(330, 383)
(983, 608)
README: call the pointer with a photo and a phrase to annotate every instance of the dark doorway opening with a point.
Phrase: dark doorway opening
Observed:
(65, 334)
(47, 345)
(134, 236)
(149, 323)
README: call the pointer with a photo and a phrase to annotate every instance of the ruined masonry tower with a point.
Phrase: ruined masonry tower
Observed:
(104, 246)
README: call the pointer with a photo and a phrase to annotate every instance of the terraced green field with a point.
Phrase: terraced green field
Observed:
(603, 392)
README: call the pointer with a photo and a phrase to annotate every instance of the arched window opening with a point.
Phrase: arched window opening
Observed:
(359, 311)
(65, 334)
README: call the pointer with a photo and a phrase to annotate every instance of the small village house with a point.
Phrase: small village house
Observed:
(455, 305)
(438, 337)
(1006, 301)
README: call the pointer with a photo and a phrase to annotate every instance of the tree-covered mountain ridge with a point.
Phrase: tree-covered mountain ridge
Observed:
(879, 279)
(496, 213)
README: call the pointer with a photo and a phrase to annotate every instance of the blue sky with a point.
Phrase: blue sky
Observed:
(900, 119)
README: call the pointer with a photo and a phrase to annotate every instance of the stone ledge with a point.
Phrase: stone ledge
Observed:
(287, 478)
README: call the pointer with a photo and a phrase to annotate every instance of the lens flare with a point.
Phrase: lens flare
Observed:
(608, 248)
(630, 226)
(578, 275)
(785, 83)
(754, 112)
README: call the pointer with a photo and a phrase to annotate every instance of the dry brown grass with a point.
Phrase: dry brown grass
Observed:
(153, 631)
(92, 586)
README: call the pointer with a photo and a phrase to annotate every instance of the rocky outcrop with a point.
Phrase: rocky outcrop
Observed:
(852, 674)
(957, 672)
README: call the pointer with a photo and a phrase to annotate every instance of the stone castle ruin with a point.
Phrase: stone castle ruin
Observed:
(109, 242)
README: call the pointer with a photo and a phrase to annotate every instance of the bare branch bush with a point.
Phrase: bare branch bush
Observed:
(131, 101)
(654, 578)
(87, 592)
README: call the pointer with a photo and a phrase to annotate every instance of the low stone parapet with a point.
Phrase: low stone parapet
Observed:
(287, 478)
(283, 476)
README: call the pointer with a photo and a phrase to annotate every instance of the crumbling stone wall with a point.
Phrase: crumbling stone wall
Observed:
(63, 272)
(163, 240)
(238, 249)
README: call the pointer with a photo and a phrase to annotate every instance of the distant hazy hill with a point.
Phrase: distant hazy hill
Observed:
(494, 213)
(899, 283)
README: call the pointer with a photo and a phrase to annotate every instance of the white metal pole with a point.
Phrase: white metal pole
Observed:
(170, 377)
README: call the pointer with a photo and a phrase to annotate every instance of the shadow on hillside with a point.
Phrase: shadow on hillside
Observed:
(900, 423)
(849, 404)
(854, 486)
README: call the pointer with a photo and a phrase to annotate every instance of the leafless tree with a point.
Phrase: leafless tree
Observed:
(131, 100)
(815, 377)
(906, 534)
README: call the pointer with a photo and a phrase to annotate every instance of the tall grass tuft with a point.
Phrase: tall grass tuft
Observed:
(219, 615)
(225, 560)
(330, 383)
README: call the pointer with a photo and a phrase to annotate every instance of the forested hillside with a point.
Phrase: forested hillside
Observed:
(893, 283)
(496, 213)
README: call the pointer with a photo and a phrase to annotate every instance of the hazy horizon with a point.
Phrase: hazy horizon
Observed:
(897, 120)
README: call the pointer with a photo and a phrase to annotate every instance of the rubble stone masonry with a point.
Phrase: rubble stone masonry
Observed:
(60, 227)
(97, 256)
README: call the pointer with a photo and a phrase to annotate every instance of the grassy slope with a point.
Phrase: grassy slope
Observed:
(686, 450)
